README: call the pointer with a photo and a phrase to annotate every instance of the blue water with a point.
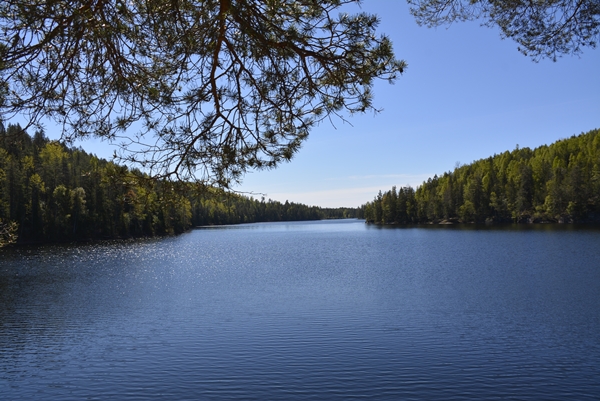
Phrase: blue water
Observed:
(315, 310)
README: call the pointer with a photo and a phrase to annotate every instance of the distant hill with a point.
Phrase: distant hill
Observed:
(553, 183)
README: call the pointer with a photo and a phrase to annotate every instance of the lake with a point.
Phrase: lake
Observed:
(306, 311)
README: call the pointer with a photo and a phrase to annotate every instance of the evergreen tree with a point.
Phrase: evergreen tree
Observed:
(541, 28)
(215, 87)
(560, 182)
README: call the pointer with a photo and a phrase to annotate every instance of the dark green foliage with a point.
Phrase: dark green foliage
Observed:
(8, 233)
(548, 28)
(556, 183)
(213, 88)
(228, 208)
(50, 192)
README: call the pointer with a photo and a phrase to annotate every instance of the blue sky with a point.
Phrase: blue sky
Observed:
(466, 95)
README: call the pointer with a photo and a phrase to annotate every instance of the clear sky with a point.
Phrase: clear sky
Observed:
(466, 95)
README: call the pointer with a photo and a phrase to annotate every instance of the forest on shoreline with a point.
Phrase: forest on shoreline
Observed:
(50, 192)
(552, 183)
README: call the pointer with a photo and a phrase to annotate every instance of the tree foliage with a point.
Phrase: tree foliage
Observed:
(546, 28)
(210, 88)
(556, 183)
(8, 233)
(51, 192)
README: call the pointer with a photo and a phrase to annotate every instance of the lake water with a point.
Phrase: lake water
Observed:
(311, 310)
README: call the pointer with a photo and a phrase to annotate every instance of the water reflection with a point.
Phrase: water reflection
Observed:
(332, 310)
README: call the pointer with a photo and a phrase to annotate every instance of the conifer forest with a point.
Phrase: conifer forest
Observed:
(555, 183)
(50, 192)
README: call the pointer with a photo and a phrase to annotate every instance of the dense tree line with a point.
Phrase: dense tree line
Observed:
(218, 207)
(555, 183)
(51, 192)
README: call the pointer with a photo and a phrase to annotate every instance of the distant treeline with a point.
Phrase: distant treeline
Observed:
(555, 183)
(50, 192)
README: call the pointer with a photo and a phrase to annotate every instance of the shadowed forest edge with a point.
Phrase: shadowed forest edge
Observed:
(50, 192)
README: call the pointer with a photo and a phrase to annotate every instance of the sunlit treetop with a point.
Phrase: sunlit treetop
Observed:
(201, 90)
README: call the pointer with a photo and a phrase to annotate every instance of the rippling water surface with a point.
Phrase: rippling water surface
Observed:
(317, 310)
